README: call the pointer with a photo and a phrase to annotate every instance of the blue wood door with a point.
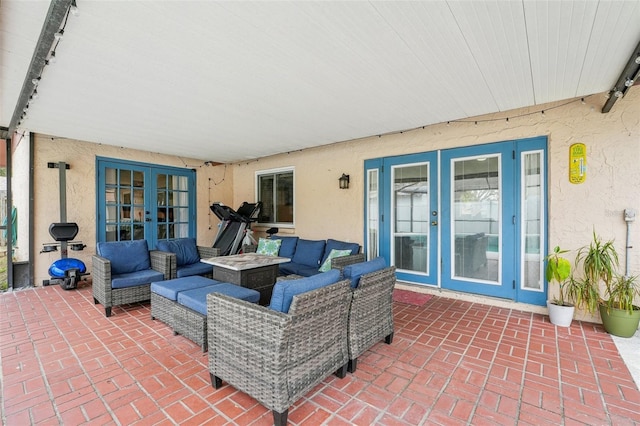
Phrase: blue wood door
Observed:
(405, 225)
(478, 232)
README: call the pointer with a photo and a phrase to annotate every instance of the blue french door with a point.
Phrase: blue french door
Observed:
(402, 214)
(469, 219)
(478, 235)
(141, 201)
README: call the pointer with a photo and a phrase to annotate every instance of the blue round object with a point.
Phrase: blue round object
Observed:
(60, 266)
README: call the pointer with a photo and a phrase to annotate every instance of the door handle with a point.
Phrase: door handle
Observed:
(434, 223)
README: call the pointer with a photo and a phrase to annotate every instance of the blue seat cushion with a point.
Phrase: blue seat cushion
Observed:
(355, 271)
(132, 279)
(196, 299)
(171, 288)
(287, 268)
(307, 271)
(339, 245)
(287, 245)
(297, 269)
(308, 252)
(125, 256)
(185, 249)
(197, 268)
(284, 290)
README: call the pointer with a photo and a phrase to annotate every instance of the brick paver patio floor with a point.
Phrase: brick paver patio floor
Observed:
(451, 362)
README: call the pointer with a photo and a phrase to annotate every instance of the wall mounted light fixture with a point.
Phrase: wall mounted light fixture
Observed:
(344, 181)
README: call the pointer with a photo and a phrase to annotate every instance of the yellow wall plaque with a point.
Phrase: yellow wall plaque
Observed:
(577, 163)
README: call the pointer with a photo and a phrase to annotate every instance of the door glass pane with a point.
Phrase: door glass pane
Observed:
(411, 217)
(138, 179)
(162, 181)
(110, 176)
(172, 206)
(180, 230)
(125, 212)
(476, 218)
(162, 231)
(372, 214)
(532, 221)
(123, 178)
(112, 233)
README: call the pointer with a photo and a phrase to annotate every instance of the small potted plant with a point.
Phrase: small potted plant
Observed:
(559, 270)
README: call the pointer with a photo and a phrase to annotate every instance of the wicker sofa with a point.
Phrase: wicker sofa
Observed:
(277, 357)
(307, 256)
(371, 310)
(122, 272)
(184, 257)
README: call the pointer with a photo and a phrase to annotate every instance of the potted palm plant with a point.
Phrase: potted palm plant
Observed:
(559, 271)
(600, 263)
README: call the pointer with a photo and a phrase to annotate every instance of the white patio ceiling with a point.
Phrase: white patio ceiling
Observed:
(231, 81)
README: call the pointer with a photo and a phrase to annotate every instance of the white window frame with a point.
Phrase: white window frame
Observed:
(274, 172)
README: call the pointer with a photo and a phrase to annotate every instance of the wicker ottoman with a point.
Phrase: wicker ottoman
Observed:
(190, 313)
(164, 295)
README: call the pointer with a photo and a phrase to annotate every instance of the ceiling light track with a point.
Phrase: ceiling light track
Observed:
(629, 76)
(50, 35)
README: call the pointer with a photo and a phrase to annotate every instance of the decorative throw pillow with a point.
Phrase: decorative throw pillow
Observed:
(268, 247)
(334, 253)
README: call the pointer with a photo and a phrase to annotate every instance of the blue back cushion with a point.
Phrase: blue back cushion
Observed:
(184, 248)
(125, 256)
(309, 252)
(355, 271)
(284, 290)
(339, 245)
(287, 246)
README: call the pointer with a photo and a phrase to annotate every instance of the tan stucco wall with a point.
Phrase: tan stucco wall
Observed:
(325, 211)
(213, 184)
(612, 184)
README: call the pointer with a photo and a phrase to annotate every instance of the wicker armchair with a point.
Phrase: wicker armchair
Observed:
(340, 262)
(275, 357)
(138, 288)
(371, 313)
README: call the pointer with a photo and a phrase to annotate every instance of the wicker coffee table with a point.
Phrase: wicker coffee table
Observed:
(250, 270)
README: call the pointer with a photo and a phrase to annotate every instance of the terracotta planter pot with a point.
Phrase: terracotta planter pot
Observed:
(619, 322)
(560, 315)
